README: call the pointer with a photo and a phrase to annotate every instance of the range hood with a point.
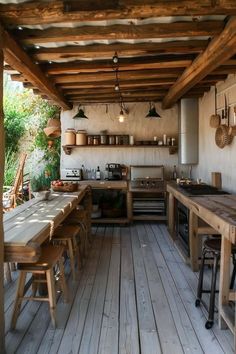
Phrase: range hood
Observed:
(188, 131)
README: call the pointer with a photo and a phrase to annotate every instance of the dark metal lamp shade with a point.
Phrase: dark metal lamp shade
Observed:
(153, 113)
(80, 115)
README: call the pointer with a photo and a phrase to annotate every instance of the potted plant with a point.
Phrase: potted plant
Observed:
(40, 186)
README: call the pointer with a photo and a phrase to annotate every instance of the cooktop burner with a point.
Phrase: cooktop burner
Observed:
(201, 189)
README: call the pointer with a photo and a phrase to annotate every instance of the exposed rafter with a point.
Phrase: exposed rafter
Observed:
(139, 63)
(121, 32)
(17, 58)
(46, 12)
(123, 49)
(219, 50)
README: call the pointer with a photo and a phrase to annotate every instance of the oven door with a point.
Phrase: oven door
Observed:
(182, 225)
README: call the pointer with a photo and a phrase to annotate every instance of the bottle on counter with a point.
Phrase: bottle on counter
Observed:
(174, 175)
(98, 173)
(83, 173)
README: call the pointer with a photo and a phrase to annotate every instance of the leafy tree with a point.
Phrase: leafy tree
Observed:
(24, 111)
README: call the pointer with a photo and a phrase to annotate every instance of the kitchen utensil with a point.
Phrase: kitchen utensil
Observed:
(222, 134)
(232, 129)
(215, 118)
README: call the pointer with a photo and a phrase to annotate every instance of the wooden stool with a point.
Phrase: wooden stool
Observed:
(67, 234)
(80, 217)
(50, 257)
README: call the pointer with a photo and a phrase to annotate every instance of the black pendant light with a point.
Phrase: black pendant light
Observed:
(80, 114)
(152, 112)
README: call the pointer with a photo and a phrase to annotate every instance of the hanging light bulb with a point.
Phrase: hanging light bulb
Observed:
(121, 117)
(115, 58)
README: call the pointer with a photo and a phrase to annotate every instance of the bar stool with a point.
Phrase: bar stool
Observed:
(80, 217)
(51, 256)
(67, 235)
(211, 251)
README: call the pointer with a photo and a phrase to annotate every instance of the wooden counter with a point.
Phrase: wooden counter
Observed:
(29, 225)
(121, 185)
(105, 184)
(219, 211)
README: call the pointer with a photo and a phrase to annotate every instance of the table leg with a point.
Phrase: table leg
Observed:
(193, 241)
(171, 215)
(129, 202)
(224, 279)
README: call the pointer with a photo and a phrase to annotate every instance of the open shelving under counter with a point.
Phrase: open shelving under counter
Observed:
(68, 148)
(121, 186)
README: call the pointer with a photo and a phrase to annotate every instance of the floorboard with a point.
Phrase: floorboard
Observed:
(134, 295)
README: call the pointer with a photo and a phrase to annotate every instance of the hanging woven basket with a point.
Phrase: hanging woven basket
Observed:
(214, 120)
(53, 129)
(222, 136)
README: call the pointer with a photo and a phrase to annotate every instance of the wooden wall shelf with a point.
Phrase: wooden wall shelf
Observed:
(68, 148)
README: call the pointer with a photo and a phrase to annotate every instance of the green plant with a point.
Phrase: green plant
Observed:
(40, 183)
(10, 168)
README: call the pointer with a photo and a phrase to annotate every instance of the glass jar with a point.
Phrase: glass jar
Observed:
(103, 139)
(90, 139)
(112, 140)
(96, 140)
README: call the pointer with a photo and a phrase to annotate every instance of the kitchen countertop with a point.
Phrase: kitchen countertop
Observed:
(105, 184)
(219, 211)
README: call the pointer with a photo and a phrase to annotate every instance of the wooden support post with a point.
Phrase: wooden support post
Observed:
(171, 215)
(129, 201)
(2, 154)
(224, 281)
(193, 240)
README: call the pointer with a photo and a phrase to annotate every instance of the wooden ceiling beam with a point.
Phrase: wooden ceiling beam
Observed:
(111, 90)
(136, 93)
(123, 75)
(211, 80)
(144, 90)
(76, 67)
(93, 100)
(111, 83)
(46, 12)
(19, 60)
(120, 32)
(122, 49)
(220, 49)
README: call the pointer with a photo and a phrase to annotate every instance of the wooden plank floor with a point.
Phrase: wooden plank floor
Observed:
(134, 295)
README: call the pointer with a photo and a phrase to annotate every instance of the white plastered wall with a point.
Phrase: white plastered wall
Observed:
(211, 157)
(102, 117)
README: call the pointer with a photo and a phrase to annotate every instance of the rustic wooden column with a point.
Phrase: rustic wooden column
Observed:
(2, 154)
(193, 240)
(171, 215)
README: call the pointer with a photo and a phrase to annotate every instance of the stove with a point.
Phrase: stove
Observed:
(182, 221)
(147, 183)
(147, 177)
(201, 189)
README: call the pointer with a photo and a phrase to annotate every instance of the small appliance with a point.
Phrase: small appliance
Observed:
(113, 171)
(72, 174)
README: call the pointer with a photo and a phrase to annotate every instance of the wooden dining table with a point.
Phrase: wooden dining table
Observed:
(32, 223)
